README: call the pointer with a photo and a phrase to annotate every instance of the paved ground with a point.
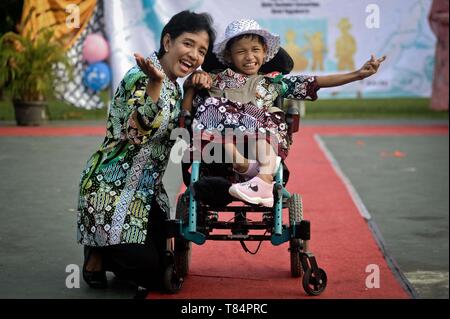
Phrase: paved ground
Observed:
(38, 196)
(407, 198)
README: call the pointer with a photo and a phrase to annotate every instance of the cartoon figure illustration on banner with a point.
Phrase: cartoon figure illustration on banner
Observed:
(295, 51)
(345, 46)
(318, 49)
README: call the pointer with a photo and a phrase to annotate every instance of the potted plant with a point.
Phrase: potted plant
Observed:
(27, 72)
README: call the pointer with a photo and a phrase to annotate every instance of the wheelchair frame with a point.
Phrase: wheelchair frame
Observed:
(184, 231)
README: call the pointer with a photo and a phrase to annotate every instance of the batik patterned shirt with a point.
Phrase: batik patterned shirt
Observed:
(246, 103)
(122, 181)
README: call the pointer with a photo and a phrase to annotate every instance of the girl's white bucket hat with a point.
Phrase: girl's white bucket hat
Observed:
(247, 26)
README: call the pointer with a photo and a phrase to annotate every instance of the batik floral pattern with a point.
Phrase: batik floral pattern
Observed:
(123, 179)
(218, 113)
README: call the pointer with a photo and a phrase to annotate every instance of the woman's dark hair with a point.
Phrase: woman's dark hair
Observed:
(187, 21)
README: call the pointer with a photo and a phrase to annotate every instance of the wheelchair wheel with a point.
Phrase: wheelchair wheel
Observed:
(313, 285)
(295, 244)
(172, 281)
(182, 247)
(182, 253)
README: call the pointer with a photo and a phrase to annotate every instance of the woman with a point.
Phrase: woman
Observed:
(122, 202)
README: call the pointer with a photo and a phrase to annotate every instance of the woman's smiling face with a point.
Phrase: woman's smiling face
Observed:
(184, 54)
(247, 54)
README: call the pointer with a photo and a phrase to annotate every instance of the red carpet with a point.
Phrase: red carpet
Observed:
(52, 131)
(306, 130)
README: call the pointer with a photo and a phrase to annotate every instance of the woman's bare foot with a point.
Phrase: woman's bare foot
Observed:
(94, 262)
(93, 273)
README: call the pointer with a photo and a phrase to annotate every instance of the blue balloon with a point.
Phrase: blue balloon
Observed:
(97, 76)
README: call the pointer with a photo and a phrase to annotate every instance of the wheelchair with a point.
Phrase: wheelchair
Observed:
(197, 218)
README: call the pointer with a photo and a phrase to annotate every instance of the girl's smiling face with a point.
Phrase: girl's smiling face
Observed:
(247, 54)
(184, 54)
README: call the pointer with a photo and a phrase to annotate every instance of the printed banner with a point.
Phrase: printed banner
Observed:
(322, 36)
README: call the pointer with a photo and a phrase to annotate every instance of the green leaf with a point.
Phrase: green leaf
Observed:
(27, 65)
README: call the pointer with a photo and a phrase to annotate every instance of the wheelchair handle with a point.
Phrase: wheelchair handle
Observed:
(293, 119)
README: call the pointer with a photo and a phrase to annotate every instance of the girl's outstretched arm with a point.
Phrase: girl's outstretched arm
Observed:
(369, 68)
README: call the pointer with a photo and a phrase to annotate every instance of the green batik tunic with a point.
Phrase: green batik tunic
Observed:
(122, 181)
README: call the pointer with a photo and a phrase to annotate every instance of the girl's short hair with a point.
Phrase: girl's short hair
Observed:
(187, 21)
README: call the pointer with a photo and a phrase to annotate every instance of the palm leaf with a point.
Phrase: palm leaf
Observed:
(27, 65)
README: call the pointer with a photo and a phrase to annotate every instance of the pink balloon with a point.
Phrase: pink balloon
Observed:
(95, 48)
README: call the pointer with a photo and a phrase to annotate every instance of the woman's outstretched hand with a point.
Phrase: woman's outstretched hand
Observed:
(149, 68)
(370, 67)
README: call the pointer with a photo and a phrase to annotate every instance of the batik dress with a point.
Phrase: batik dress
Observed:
(247, 104)
(122, 181)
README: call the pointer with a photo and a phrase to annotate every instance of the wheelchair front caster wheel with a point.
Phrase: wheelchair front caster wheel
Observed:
(313, 285)
(172, 282)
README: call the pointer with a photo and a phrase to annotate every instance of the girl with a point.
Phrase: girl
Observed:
(242, 99)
